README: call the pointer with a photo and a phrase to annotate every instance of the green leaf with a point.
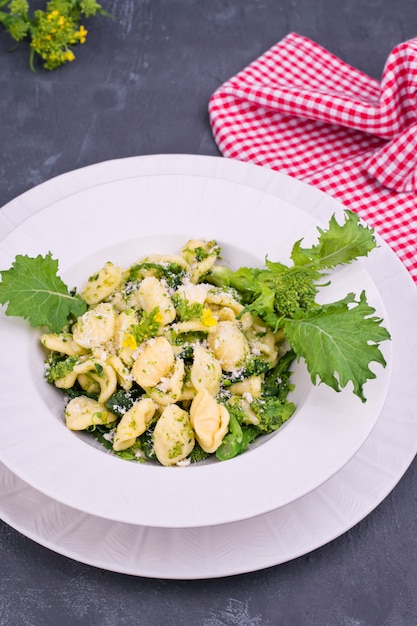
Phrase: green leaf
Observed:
(338, 342)
(339, 244)
(34, 291)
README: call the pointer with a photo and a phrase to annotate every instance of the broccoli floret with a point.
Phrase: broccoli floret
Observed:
(272, 412)
(274, 293)
(148, 325)
(272, 408)
(197, 454)
(293, 289)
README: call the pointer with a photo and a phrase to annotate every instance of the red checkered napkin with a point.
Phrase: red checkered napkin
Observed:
(301, 110)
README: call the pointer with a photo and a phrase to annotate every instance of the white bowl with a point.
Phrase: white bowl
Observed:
(140, 205)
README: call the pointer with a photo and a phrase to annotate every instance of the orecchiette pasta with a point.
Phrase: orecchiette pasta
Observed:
(123, 375)
(63, 343)
(133, 423)
(102, 284)
(206, 371)
(209, 420)
(264, 342)
(152, 293)
(82, 412)
(67, 381)
(123, 338)
(95, 327)
(192, 326)
(193, 293)
(162, 364)
(102, 373)
(251, 386)
(87, 384)
(229, 345)
(173, 435)
(225, 300)
(153, 363)
(169, 388)
(163, 259)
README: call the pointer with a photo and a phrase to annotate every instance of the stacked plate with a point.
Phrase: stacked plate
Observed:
(329, 467)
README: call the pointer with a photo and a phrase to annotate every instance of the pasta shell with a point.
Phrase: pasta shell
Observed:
(82, 412)
(153, 363)
(95, 326)
(209, 420)
(173, 436)
(152, 294)
(101, 285)
(133, 423)
(229, 345)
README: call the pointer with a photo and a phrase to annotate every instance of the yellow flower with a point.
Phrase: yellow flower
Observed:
(207, 318)
(129, 341)
(53, 15)
(69, 55)
(81, 34)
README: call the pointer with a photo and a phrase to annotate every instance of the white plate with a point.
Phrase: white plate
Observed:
(154, 204)
(275, 537)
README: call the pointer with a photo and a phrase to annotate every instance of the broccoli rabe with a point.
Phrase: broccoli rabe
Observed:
(147, 326)
(232, 443)
(324, 335)
(238, 438)
(273, 293)
(272, 412)
(277, 380)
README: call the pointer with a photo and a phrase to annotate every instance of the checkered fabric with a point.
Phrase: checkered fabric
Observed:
(303, 111)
